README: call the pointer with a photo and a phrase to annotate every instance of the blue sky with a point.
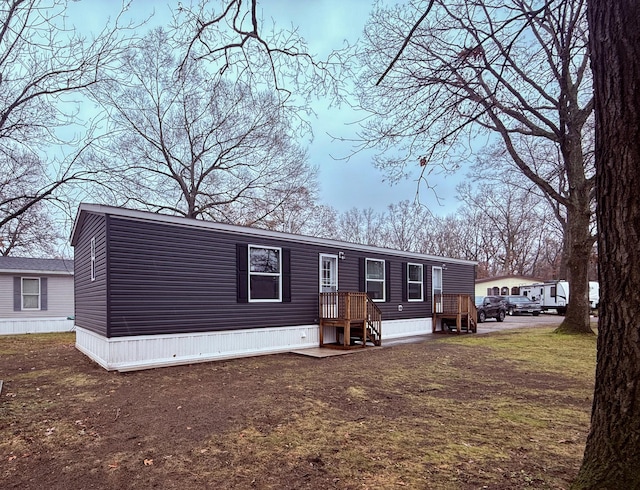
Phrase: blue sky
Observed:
(325, 25)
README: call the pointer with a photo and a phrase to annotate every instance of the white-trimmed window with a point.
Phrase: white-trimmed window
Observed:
(375, 279)
(265, 273)
(30, 293)
(93, 259)
(414, 282)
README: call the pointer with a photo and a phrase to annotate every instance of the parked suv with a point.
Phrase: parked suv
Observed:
(517, 305)
(490, 307)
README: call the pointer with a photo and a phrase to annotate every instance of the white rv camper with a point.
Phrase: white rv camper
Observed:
(554, 295)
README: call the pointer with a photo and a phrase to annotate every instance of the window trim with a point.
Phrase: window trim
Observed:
(22, 294)
(279, 275)
(383, 280)
(93, 259)
(421, 282)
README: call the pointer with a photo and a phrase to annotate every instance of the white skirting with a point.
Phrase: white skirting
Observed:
(14, 326)
(151, 351)
(394, 329)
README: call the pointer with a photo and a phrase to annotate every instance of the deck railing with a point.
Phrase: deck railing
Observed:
(374, 319)
(351, 307)
(455, 307)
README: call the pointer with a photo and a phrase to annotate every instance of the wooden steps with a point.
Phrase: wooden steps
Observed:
(356, 319)
(454, 313)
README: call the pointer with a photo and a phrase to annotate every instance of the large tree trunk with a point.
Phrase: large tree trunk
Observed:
(579, 243)
(577, 239)
(612, 455)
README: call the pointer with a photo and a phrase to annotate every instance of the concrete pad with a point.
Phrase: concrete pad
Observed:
(321, 352)
(511, 322)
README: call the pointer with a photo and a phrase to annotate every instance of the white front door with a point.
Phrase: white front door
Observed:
(329, 283)
(436, 288)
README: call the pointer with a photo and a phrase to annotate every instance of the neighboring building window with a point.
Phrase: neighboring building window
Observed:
(414, 282)
(375, 279)
(515, 290)
(504, 291)
(93, 259)
(30, 293)
(265, 273)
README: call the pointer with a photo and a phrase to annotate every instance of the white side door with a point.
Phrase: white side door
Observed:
(436, 288)
(329, 283)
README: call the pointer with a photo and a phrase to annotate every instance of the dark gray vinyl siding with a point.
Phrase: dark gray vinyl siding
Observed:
(91, 296)
(459, 279)
(167, 278)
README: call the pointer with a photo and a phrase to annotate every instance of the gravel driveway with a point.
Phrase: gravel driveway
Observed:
(519, 321)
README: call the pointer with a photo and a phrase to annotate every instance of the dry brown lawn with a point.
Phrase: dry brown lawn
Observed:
(499, 411)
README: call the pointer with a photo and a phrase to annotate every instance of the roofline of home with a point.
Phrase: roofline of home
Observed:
(244, 230)
(501, 278)
(36, 271)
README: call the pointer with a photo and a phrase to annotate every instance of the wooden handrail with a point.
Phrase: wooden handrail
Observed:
(455, 306)
(350, 306)
(374, 318)
(344, 305)
(453, 303)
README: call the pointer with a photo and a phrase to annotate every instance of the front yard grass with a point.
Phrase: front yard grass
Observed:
(497, 411)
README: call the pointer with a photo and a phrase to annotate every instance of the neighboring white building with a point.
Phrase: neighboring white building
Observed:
(36, 295)
(503, 285)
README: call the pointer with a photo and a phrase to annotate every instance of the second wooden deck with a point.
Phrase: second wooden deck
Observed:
(454, 313)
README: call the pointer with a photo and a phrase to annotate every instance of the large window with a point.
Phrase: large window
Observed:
(414, 282)
(375, 279)
(265, 273)
(30, 293)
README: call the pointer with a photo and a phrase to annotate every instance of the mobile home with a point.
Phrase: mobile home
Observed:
(155, 290)
(36, 295)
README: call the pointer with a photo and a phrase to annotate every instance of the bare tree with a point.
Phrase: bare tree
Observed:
(613, 445)
(516, 225)
(406, 224)
(513, 72)
(364, 226)
(464, 234)
(189, 142)
(295, 208)
(45, 66)
(31, 234)
(321, 222)
(234, 40)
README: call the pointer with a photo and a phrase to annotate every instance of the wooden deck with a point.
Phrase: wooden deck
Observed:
(356, 318)
(456, 312)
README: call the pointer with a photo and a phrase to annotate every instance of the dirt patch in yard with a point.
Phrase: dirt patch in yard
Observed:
(498, 411)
